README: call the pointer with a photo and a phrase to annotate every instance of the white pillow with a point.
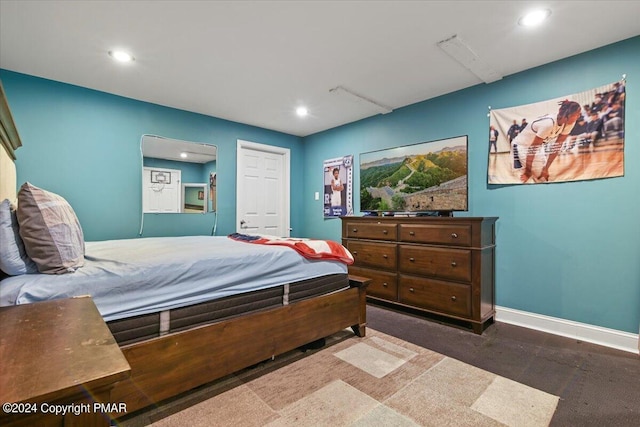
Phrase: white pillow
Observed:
(14, 260)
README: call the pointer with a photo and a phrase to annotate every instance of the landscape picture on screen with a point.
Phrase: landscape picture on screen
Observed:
(425, 177)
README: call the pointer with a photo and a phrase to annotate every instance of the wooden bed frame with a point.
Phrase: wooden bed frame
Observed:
(166, 366)
(172, 364)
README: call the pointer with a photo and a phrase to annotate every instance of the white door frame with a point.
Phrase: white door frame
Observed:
(286, 178)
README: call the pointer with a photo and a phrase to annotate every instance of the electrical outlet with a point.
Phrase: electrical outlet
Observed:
(317, 196)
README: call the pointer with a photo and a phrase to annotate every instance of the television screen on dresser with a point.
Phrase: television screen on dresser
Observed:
(428, 177)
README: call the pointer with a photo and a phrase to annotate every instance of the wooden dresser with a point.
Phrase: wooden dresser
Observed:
(440, 265)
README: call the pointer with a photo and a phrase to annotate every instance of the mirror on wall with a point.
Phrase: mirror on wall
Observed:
(178, 176)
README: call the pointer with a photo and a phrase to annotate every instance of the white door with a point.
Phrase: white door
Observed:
(161, 190)
(262, 198)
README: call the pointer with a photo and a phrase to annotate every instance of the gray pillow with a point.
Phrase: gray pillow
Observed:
(50, 230)
(13, 258)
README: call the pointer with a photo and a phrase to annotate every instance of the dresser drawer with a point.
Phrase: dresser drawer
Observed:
(456, 235)
(436, 295)
(375, 231)
(369, 254)
(454, 264)
(383, 283)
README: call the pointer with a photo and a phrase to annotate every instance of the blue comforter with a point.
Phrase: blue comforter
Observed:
(131, 277)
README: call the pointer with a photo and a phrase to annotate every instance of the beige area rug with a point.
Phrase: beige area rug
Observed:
(378, 380)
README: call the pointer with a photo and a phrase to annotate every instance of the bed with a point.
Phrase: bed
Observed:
(131, 278)
(202, 316)
(188, 310)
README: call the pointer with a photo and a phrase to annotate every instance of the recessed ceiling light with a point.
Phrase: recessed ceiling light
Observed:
(534, 18)
(183, 155)
(301, 111)
(121, 56)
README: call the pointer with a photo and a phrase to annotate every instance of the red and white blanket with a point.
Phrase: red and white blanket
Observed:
(308, 248)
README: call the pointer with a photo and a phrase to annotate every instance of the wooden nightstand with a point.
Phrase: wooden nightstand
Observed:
(58, 356)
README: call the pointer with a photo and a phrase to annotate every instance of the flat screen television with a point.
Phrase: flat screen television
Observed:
(427, 178)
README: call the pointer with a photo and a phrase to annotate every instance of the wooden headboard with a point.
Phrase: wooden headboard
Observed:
(7, 177)
(9, 142)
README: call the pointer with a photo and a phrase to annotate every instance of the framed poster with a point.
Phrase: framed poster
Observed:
(338, 187)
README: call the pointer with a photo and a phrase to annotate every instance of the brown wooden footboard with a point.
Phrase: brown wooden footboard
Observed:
(167, 366)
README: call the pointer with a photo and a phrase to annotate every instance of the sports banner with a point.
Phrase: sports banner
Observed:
(572, 138)
(338, 188)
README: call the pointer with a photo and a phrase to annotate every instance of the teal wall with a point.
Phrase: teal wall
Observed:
(568, 250)
(85, 145)
(191, 196)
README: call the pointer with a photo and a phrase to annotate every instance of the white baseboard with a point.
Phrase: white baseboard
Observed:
(580, 331)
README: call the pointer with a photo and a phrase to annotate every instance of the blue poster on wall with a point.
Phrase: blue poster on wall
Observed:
(338, 188)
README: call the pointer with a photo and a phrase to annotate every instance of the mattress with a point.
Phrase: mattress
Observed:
(134, 277)
(139, 328)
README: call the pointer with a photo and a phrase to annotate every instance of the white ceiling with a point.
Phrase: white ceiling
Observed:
(254, 62)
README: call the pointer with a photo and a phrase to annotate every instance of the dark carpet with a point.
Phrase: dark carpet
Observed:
(597, 386)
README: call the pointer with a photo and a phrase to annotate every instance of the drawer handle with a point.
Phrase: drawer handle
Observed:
(412, 259)
(453, 298)
(385, 256)
(355, 253)
(385, 231)
(411, 290)
(412, 233)
(454, 235)
(355, 230)
(385, 285)
(453, 264)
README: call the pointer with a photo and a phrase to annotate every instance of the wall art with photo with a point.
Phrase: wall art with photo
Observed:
(338, 187)
(571, 138)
